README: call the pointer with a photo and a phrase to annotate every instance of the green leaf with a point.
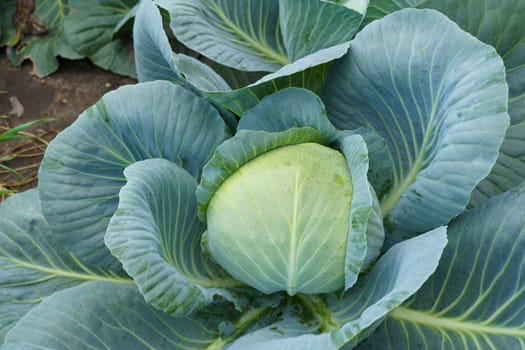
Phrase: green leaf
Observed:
(156, 61)
(7, 31)
(153, 55)
(508, 170)
(101, 315)
(117, 56)
(309, 26)
(282, 221)
(289, 108)
(82, 171)
(90, 24)
(379, 8)
(43, 49)
(244, 146)
(200, 75)
(33, 265)
(475, 299)
(156, 235)
(356, 154)
(90, 28)
(380, 159)
(347, 320)
(440, 105)
(308, 72)
(500, 25)
(241, 34)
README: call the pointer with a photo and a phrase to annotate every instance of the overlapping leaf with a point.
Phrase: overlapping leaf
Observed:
(500, 25)
(289, 108)
(102, 315)
(240, 34)
(155, 59)
(296, 107)
(346, 321)
(439, 103)
(156, 235)
(476, 298)
(82, 171)
(90, 28)
(310, 26)
(43, 49)
(33, 265)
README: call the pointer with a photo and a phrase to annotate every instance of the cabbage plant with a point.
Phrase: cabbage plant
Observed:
(382, 208)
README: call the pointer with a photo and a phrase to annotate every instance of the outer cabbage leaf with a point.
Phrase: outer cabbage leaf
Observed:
(33, 265)
(509, 170)
(289, 108)
(156, 235)
(500, 25)
(438, 97)
(247, 35)
(310, 26)
(102, 315)
(155, 60)
(308, 72)
(240, 34)
(356, 154)
(43, 49)
(475, 300)
(7, 31)
(90, 28)
(82, 171)
(380, 159)
(347, 320)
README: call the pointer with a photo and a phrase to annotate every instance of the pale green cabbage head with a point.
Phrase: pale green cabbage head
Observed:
(281, 221)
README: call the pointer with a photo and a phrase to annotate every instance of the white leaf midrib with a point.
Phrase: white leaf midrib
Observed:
(404, 314)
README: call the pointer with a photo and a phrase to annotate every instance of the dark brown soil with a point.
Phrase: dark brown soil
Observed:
(62, 96)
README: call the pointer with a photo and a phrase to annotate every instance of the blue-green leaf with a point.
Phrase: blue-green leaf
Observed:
(312, 25)
(90, 24)
(153, 54)
(82, 171)
(33, 265)
(356, 155)
(308, 72)
(345, 321)
(509, 170)
(156, 235)
(476, 298)
(289, 108)
(102, 315)
(89, 28)
(42, 50)
(380, 159)
(498, 24)
(438, 96)
(239, 34)
(156, 61)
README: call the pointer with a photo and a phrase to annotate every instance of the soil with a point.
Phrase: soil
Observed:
(61, 96)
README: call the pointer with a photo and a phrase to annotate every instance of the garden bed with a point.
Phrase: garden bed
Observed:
(62, 96)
